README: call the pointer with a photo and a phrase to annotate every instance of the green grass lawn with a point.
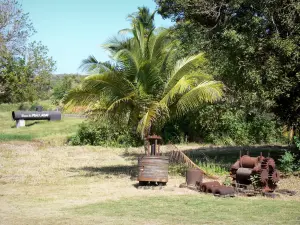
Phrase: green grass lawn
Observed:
(53, 132)
(196, 209)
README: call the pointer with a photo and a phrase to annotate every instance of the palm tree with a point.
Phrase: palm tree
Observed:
(143, 17)
(145, 85)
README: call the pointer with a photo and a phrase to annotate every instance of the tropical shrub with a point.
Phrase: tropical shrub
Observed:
(287, 163)
(104, 134)
(144, 84)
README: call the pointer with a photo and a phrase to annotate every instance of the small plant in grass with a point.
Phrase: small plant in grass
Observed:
(227, 181)
(177, 169)
(255, 180)
(212, 167)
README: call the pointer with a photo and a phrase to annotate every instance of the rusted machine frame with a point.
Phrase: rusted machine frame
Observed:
(264, 168)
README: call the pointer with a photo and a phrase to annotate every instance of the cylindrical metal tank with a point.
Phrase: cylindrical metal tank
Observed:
(35, 115)
(248, 162)
(194, 176)
(243, 175)
(153, 169)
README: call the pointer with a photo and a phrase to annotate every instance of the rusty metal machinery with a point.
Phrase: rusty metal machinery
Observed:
(214, 187)
(153, 168)
(256, 171)
(194, 177)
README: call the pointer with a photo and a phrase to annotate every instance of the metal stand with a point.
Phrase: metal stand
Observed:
(20, 123)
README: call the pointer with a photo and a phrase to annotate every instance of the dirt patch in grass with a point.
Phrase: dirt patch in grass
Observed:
(91, 185)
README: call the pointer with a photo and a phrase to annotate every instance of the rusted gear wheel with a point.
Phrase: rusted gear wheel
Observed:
(268, 164)
(264, 176)
(275, 176)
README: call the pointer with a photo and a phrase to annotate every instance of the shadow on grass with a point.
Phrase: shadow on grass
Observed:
(118, 170)
(28, 124)
(226, 156)
(131, 156)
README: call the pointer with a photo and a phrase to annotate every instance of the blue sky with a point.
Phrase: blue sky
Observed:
(75, 29)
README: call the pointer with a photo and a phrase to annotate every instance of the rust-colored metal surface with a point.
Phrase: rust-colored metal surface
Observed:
(243, 175)
(194, 177)
(250, 167)
(153, 168)
(268, 164)
(206, 185)
(248, 162)
(212, 188)
(224, 190)
(275, 176)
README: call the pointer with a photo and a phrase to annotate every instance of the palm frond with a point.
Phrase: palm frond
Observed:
(109, 82)
(92, 65)
(125, 31)
(129, 61)
(121, 103)
(158, 43)
(207, 91)
(117, 43)
(154, 113)
(80, 96)
(183, 67)
(183, 86)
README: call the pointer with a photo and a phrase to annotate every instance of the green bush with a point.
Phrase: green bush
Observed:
(106, 135)
(287, 163)
(222, 124)
(297, 143)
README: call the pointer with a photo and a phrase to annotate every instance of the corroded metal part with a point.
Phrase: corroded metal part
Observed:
(224, 190)
(263, 168)
(236, 165)
(194, 177)
(264, 176)
(268, 164)
(248, 162)
(153, 168)
(243, 175)
(275, 176)
(204, 186)
(212, 188)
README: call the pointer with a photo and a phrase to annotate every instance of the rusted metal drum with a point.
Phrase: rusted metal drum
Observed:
(243, 175)
(153, 169)
(248, 162)
(194, 176)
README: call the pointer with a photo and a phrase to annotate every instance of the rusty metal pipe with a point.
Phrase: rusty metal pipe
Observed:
(203, 186)
(224, 190)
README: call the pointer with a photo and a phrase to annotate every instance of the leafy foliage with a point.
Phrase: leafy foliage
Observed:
(26, 78)
(25, 69)
(15, 28)
(224, 125)
(104, 134)
(145, 85)
(252, 46)
(287, 162)
(62, 84)
(297, 142)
